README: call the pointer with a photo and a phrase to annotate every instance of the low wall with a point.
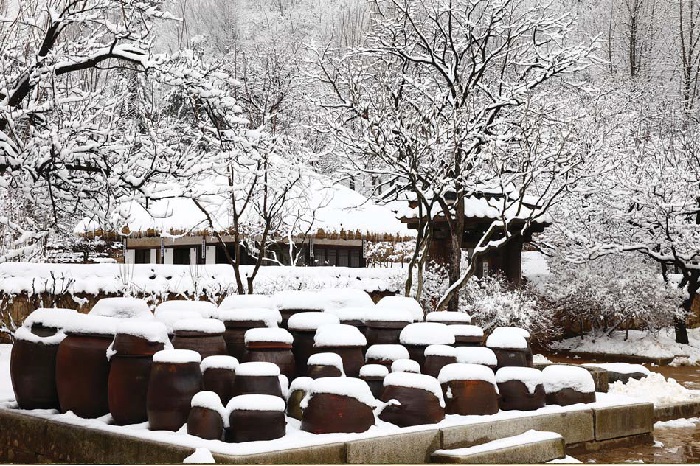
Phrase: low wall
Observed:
(25, 438)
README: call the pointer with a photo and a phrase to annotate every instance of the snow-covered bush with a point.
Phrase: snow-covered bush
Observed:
(610, 293)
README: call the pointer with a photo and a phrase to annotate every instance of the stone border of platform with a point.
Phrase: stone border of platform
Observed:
(30, 439)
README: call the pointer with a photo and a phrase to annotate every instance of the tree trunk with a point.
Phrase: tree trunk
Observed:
(454, 270)
(681, 330)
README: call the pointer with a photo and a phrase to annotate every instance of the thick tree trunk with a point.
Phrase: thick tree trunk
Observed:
(454, 270)
(681, 330)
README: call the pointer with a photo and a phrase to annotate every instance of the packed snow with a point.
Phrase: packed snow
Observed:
(210, 326)
(351, 313)
(49, 317)
(200, 456)
(329, 335)
(531, 436)
(255, 402)
(389, 315)
(421, 381)
(149, 330)
(344, 386)
(204, 308)
(463, 371)
(655, 388)
(684, 423)
(219, 361)
(337, 298)
(427, 333)
(511, 331)
(465, 330)
(246, 301)
(506, 340)
(257, 369)
(278, 335)
(308, 321)
(209, 400)
(527, 375)
(448, 316)
(326, 359)
(89, 324)
(558, 377)
(270, 317)
(122, 308)
(405, 365)
(374, 370)
(300, 300)
(177, 356)
(386, 352)
(402, 302)
(170, 316)
(440, 350)
(476, 355)
(300, 383)
(24, 334)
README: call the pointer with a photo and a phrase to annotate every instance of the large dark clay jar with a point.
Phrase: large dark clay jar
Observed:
(234, 336)
(206, 344)
(205, 423)
(329, 413)
(569, 396)
(417, 406)
(33, 370)
(516, 396)
(275, 352)
(221, 381)
(255, 417)
(173, 382)
(471, 397)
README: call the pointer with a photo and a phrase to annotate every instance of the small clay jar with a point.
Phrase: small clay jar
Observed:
(469, 389)
(437, 357)
(290, 302)
(255, 417)
(297, 391)
(448, 317)
(257, 378)
(239, 321)
(345, 341)
(512, 346)
(381, 332)
(219, 375)
(373, 375)
(303, 328)
(273, 345)
(325, 365)
(520, 388)
(418, 336)
(416, 405)
(33, 369)
(175, 378)
(477, 355)
(569, 396)
(205, 336)
(205, 419)
(568, 384)
(385, 354)
(467, 335)
(329, 413)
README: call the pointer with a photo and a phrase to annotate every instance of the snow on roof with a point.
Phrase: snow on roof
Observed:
(440, 350)
(257, 369)
(48, 317)
(242, 301)
(421, 381)
(344, 386)
(150, 330)
(405, 365)
(506, 340)
(427, 333)
(345, 314)
(345, 297)
(529, 376)
(255, 402)
(328, 335)
(464, 371)
(300, 299)
(448, 316)
(271, 317)
(279, 335)
(402, 302)
(558, 377)
(386, 352)
(374, 370)
(476, 355)
(122, 308)
(204, 308)
(466, 330)
(24, 334)
(309, 321)
(219, 361)
(199, 325)
(90, 324)
(326, 359)
(177, 356)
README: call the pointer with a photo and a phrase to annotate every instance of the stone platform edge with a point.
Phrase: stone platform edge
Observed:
(30, 439)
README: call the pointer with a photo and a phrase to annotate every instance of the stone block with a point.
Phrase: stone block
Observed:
(333, 453)
(404, 448)
(532, 447)
(681, 410)
(573, 426)
(600, 377)
(623, 421)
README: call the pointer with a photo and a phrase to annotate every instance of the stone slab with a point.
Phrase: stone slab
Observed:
(538, 451)
(404, 448)
(623, 421)
(682, 410)
(333, 453)
(574, 426)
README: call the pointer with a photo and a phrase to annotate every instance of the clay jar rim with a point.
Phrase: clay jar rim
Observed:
(388, 324)
(126, 345)
(231, 324)
(271, 345)
(47, 331)
(73, 333)
(196, 334)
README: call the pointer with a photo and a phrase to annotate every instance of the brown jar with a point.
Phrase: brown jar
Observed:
(297, 391)
(329, 413)
(303, 328)
(417, 405)
(82, 367)
(467, 335)
(255, 417)
(219, 375)
(205, 336)
(257, 378)
(418, 336)
(385, 354)
(345, 341)
(206, 417)
(325, 365)
(290, 302)
(373, 375)
(511, 346)
(437, 357)
(469, 389)
(568, 384)
(239, 321)
(380, 332)
(272, 345)
(33, 369)
(175, 378)
(520, 388)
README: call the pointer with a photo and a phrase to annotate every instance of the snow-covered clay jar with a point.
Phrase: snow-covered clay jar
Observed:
(175, 378)
(203, 308)
(449, 317)
(567, 385)
(511, 348)
(326, 365)
(297, 391)
(131, 358)
(384, 325)
(477, 355)
(271, 345)
(246, 301)
(385, 354)
(467, 335)
(303, 327)
(206, 417)
(374, 375)
(337, 298)
(437, 357)
(418, 336)
(255, 417)
(469, 389)
(402, 302)
(261, 378)
(520, 388)
(418, 399)
(82, 367)
(122, 308)
(354, 315)
(290, 302)
(239, 320)
(33, 369)
(405, 365)
(219, 375)
(346, 341)
(205, 336)
(338, 405)
(45, 321)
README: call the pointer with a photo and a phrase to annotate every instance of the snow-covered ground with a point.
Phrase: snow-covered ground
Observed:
(640, 343)
(6, 392)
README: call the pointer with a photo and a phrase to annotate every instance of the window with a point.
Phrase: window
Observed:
(181, 256)
(340, 256)
(142, 256)
(343, 256)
